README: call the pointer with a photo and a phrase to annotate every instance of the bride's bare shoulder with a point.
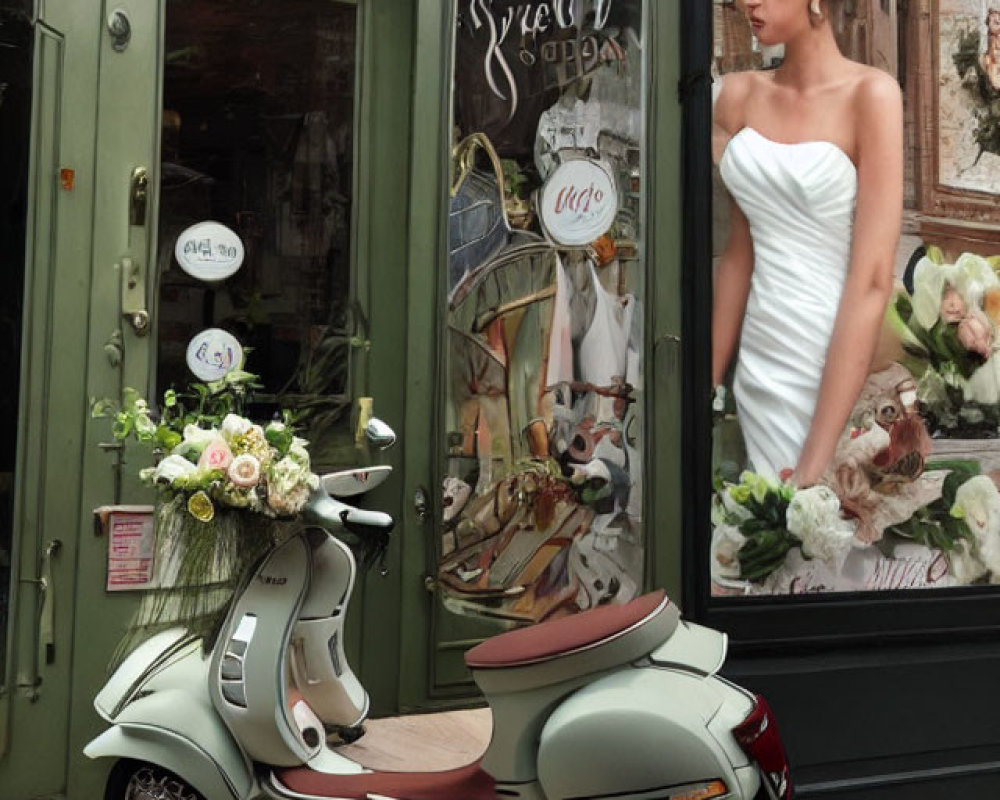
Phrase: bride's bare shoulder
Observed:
(875, 89)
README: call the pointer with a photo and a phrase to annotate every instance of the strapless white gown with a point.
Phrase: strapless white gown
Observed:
(799, 201)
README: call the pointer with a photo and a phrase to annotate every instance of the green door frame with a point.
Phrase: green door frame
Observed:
(431, 144)
(97, 112)
(53, 406)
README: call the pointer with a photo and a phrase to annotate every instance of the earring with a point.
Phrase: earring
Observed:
(815, 10)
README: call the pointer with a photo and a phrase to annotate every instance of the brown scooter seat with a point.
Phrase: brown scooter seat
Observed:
(466, 783)
(567, 636)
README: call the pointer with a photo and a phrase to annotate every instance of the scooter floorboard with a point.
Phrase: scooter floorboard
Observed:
(439, 741)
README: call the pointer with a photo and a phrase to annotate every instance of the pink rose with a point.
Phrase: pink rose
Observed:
(976, 335)
(216, 455)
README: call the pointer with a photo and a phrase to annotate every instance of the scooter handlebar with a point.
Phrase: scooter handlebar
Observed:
(330, 513)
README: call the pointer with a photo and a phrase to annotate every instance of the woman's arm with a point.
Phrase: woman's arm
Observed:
(877, 225)
(732, 285)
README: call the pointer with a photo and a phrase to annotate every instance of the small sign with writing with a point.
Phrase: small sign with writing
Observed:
(209, 251)
(578, 203)
(213, 353)
(130, 546)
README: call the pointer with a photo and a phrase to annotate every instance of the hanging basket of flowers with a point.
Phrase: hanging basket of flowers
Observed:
(228, 490)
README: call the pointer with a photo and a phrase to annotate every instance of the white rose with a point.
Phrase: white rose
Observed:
(813, 516)
(171, 468)
(812, 509)
(234, 425)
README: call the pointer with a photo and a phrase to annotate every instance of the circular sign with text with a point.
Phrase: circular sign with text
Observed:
(209, 251)
(578, 203)
(213, 353)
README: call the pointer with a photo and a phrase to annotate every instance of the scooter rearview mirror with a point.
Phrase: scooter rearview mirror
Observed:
(380, 434)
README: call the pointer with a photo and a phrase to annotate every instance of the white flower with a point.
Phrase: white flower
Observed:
(964, 566)
(983, 386)
(813, 516)
(289, 485)
(171, 468)
(812, 509)
(198, 436)
(973, 277)
(244, 471)
(298, 453)
(726, 543)
(929, 279)
(234, 425)
(977, 501)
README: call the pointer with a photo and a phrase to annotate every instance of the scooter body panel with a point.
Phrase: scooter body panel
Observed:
(160, 653)
(249, 678)
(317, 658)
(694, 648)
(183, 734)
(639, 731)
(522, 697)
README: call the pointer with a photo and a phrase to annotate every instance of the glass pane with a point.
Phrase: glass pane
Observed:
(15, 133)
(909, 499)
(258, 127)
(544, 345)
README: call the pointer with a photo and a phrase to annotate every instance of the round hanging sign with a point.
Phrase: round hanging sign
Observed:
(209, 251)
(578, 202)
(213, 353)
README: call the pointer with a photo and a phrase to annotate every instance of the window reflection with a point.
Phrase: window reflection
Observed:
(258, 134)
(543, 489)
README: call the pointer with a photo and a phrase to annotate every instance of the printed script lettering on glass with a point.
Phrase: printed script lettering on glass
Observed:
(209, 251)
(214, 353)
(530, 21)
(910, 498)
(542, 487)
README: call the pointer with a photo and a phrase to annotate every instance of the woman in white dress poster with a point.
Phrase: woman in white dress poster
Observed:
(813, 158)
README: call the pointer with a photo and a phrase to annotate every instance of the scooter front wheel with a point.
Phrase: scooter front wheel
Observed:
(137, 780)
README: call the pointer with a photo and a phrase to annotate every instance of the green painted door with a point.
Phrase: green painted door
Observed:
(50, 515)
(148, 116)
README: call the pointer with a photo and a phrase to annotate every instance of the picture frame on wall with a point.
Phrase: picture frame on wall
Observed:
(956, 107)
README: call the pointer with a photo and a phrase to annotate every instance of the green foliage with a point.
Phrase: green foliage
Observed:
(203, 405)
(767, 539)
(933, 525)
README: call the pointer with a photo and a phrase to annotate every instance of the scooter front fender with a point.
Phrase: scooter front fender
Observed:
(170, 730)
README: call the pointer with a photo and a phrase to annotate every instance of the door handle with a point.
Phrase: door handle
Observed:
(47, 615)
(138, 196)
(133, 276)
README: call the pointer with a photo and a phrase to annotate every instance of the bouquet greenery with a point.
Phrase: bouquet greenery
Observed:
(229, 490)
(949, 330)
(214, 457)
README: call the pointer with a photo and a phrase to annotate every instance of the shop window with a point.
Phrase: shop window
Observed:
(910, 501)
(543, 349)
(258, 134)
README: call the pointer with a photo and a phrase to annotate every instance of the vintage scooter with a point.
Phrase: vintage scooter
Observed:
(616, 702)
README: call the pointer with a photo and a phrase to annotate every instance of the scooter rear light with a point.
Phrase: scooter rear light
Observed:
(758, 736)
(704, 791)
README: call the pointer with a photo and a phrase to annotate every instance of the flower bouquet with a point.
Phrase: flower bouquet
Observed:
(228, 490)
(948, 330)
(756, 523)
